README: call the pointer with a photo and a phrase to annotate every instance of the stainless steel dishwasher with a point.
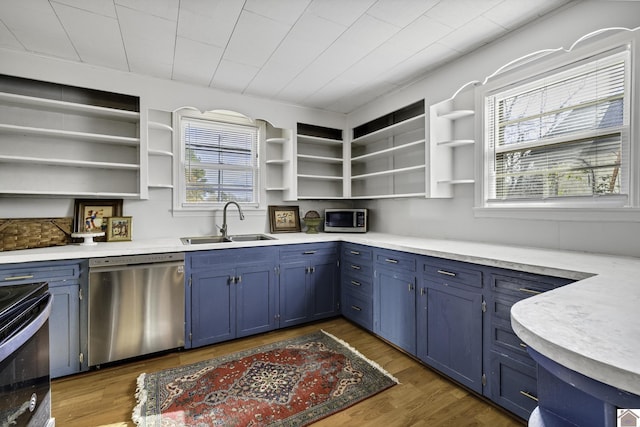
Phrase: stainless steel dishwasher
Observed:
(136, 306)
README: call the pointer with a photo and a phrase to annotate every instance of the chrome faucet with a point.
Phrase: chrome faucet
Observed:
(223, 229)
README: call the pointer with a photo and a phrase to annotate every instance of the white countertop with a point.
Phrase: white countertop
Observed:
(591, 326)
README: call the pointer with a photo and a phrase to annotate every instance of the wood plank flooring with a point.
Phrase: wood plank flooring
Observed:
(106, 397)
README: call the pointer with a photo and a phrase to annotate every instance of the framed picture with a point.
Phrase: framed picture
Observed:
(118, 228)
(91, 214)
(284, 219)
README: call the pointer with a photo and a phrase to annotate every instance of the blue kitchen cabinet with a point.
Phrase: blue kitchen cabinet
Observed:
(309, 286)
(450, 312)
(356, 284)
(231, 293)
(394, 298)
(511, 372)
(64, 280)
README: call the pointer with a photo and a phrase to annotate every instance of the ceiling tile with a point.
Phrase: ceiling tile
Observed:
(209, 22)
(167, 9)
(7, 39)
(340, 11)
(36, 26)
(285, 11)
(400, 12)
(195, 62)
(456, 13)
(477, 32)
(254, 39)
(149, 41)
(420, 63)
(233, 76)
(513, 13)
(101, 7)
(95, 37)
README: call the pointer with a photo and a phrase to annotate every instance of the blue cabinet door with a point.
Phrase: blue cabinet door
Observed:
(394, 310)
(295, 295)
(213, 296)
(255, 299)
(325, 288)
(64, 330)
(454, 337)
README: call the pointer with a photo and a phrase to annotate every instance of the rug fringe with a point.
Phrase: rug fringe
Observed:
(371, 362)
(141, 398)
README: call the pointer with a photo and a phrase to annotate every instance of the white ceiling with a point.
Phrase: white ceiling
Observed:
(331, 54)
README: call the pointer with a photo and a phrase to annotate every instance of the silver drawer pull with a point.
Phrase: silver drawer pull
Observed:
(523, 345)
(355, 267)
(447, 273)
(356, 308)
(354, 252)
(28, 276)
(529, 395)
(309, 252)
(529, 291)
(355, 283)
(391, 260)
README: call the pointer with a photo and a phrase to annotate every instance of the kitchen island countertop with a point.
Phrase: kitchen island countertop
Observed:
(590, 326)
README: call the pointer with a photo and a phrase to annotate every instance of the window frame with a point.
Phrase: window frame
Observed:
(611, 208)
(225, 117)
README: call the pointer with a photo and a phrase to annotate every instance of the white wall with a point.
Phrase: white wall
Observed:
(153, 217)
(454, 218)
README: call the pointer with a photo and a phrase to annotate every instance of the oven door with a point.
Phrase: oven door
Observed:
(24, 366)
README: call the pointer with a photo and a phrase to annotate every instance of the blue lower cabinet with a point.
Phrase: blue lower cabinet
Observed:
(394, 312)
(513, 384)
(64, 329)
(230, 294)
(452, 318)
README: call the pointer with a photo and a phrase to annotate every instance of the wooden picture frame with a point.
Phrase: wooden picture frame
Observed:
(119, 228)
(91, 215)
(284, 219)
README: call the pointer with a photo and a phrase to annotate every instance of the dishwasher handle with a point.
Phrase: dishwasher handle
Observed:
(106, 268)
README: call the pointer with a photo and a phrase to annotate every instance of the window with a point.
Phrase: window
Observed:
(560, 138)
(220, 160)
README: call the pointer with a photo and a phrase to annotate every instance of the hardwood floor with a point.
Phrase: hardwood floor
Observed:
(106, 397)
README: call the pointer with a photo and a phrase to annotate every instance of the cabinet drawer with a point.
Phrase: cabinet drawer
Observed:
(362, 253)
(212, 258)
(524, 285)
(356, 269)
(356, 283)
(395, 260)
(514, 385)
(34, 273)
(500, 305)
(358, 309)
(307, 250)
(504, 339)
(447, 272)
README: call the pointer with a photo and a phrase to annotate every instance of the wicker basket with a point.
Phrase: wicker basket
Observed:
(27, 233)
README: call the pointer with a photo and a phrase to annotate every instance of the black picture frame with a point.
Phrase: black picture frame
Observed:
(91, 215)
(284, 219)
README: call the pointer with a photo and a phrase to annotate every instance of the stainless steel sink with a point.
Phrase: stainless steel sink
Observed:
(204, 240)
(250, 237)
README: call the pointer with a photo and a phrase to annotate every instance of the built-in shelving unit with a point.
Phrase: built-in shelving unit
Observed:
(68, 141)
(451, 129)
(388, 155)
(320, 162)
(279, 163)
(160, 149)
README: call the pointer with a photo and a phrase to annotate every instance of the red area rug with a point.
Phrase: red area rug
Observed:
(289, 383)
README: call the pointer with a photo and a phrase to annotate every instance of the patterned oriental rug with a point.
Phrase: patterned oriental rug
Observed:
(288, 383)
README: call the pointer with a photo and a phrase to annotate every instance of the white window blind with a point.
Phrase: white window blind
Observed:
(561, 137)
(220, 162)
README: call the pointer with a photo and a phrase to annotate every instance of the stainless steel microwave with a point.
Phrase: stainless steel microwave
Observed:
(345, 220)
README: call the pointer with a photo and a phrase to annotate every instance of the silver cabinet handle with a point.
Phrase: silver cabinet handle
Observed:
(354, 252)
(27, 276)
(529, 291)
(392, 261)
(356, 283)
(523, 345)
(447, 273)
(309, 252)
(356, 308)
(529, 395)
(355, 267)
